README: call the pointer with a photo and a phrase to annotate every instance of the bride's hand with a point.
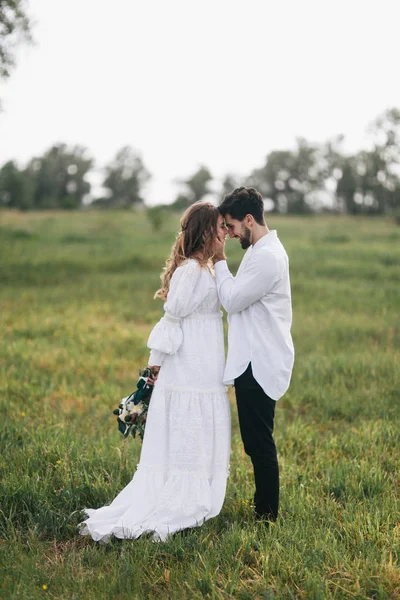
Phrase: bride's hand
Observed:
(219, 249)
(155, 371)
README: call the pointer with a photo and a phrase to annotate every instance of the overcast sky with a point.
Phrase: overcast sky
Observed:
(219, 82)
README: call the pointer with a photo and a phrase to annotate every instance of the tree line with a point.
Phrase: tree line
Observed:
(58, 179)
(309, 178)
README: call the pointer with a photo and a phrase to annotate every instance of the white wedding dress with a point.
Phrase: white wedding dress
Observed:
(181, 477)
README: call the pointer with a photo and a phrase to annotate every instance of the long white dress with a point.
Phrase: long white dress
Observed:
(181, 477)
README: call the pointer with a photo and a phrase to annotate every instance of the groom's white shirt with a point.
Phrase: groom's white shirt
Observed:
(259, 307)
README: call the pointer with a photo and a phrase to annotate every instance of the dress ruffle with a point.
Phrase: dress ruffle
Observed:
(181, 478)
(153, 503)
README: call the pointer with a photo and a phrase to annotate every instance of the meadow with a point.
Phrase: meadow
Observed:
(76, 309)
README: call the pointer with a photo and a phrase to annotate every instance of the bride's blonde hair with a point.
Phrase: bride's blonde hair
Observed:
(195, 240)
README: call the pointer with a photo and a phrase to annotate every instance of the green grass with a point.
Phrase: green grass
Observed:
(76, 309)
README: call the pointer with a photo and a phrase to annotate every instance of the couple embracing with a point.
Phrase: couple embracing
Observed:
(181, 478)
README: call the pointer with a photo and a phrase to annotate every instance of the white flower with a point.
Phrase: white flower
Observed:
(129, 408)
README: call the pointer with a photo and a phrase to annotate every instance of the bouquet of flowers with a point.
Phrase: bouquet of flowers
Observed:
(132, 410)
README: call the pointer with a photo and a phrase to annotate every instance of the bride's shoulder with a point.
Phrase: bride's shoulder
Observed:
(190, 267)
(190, 264)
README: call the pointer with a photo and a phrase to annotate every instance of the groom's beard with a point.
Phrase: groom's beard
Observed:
(245, 238)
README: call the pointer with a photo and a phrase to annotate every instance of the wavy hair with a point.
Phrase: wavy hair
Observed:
(195, 240)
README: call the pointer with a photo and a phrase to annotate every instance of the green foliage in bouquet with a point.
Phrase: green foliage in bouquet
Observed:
(132, 410)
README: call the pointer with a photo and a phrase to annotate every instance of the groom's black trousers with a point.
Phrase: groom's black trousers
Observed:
(256, 413)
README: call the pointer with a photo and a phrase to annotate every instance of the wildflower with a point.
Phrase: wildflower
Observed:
(59, 462)
(44, 586)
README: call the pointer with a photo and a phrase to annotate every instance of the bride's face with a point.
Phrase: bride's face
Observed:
(221, 228)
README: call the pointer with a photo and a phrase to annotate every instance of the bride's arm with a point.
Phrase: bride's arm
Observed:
(189, 286)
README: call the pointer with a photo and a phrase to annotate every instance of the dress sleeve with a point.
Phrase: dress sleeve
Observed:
(189, 286)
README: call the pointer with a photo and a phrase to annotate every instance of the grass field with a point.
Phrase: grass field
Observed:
(76, 310)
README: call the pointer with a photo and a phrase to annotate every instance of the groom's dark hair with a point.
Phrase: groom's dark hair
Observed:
(241, 202)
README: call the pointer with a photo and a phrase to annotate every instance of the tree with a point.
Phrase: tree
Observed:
(383, 161)
(58, 177)
(180, 204)
(229, 184)
(370, 181)
(14, 27)
(347, 184)
(263, 178)
(15, 189)
(197, 185)
(125, 178)
(288, 177)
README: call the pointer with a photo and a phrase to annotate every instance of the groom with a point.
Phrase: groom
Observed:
(260, 348)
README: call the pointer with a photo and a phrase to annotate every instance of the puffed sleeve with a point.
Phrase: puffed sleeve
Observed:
(189, 285)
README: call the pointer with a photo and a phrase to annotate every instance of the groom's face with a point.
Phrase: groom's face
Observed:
(237, 229)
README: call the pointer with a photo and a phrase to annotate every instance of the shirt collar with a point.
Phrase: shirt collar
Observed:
(266, 239)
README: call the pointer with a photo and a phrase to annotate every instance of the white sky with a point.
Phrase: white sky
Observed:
(219, 82)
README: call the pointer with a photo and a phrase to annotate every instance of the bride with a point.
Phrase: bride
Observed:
(181, 477)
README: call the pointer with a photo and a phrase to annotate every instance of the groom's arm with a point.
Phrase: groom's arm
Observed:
(257, 279)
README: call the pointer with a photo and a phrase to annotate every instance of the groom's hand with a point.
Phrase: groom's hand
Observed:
(219, 249)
